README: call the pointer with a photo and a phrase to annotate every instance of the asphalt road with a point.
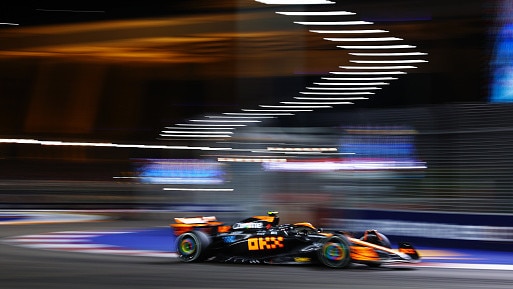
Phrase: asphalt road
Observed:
(34, 268)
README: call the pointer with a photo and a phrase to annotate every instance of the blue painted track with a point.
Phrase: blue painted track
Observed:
(158, 239)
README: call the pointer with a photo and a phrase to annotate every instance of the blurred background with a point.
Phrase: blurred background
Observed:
(92, 96)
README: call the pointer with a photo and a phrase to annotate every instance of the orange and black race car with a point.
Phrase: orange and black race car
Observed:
(261, 239)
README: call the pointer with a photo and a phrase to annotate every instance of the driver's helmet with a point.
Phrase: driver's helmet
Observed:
(275, 216)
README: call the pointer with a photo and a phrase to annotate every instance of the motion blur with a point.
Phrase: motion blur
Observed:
(385, 114)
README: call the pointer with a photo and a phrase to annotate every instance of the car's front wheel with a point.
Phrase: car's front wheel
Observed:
(191, 246)
(335, 252)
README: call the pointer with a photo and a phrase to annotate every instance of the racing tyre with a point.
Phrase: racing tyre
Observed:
(335, 252)
(191, 246)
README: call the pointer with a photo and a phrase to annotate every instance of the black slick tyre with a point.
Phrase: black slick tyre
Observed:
(191, 246)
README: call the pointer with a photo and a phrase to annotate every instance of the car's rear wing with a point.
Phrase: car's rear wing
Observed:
(209, 225)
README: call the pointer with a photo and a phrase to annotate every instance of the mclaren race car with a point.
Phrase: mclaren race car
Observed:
(261, 239)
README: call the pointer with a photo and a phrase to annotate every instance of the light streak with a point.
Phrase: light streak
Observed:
(354, 31)
(317, 13)
(333, 22)
(365, 39)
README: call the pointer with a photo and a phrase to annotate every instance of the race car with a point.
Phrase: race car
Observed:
(261, 239)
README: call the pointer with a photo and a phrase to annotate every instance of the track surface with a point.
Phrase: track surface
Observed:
(33, 268)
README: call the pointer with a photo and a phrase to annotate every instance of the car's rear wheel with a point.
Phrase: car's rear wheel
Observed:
(191, 246)
(335, 252)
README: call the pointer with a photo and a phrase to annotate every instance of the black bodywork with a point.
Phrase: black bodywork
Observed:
(255, 240)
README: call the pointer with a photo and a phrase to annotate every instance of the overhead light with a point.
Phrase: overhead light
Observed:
(317, 13)
(198, 128)
(198, 189)
(237, 117)
(211, 120)
(280, 110)
(379, 67)
(297, 149)
(252, 160)
(210, 125)
(359, 78)
(296, 106)
(351, 83)
(333, 22)
(316, 103)
(388, 61)
(295, 2)
(358, 39)
(330, 98)
(336, 93)
(387, 53)
(376, 46)
(368, 72)
(353, 31)
(254, 113)
(340, 88)
(196, 132)
(197, 135)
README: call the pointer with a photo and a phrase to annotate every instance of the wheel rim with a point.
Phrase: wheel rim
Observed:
(187, 247)
(334, 251)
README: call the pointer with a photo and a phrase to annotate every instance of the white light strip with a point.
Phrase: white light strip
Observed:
(295, 2)
(296, 106)
(330, 98)
(379, 67)
(376, 46)
(198, 189)
(280, 110)
(170, 127)
(317, 13)
(196, 135)
(238, 117)
(359, 78)
(94, 144)
(316, 103)
(388, 61)
(358, 39)
(210, 125)
(229, 121)
(388, 54)
(368, 72)
(356, 31)
(333, 22)
(252, 160)
(352, 83)
(293, 149)
(340, 88)
(253, 113)
(9, 24)
(194, 132)
(336, 93)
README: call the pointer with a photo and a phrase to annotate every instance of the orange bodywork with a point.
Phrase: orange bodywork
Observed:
(205, 224)
(363, 254)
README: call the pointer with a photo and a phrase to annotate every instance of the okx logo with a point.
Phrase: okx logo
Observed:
(265, 243)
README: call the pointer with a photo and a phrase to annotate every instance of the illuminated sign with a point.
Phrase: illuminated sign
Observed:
(179, 171)
(265, 243)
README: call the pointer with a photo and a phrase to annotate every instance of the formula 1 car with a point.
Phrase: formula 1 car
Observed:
(261, 239)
